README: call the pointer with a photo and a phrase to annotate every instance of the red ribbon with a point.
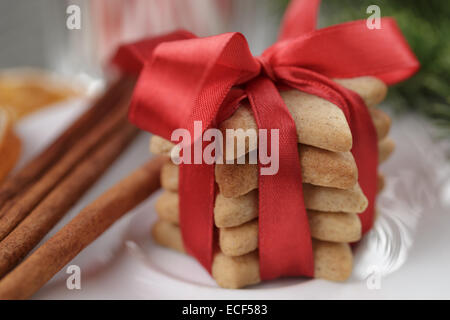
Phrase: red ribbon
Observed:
(184, 78)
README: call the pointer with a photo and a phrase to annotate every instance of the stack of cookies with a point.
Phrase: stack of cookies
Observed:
(332, 195)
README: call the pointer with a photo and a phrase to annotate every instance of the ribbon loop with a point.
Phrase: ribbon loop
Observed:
(350, 50)
(132, 57)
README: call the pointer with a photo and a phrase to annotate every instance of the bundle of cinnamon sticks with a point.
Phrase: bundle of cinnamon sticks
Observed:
(34, 199)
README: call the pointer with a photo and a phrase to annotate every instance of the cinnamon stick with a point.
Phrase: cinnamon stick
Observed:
(88, 225)
(16, 183)
(39, 222)
(18, 208)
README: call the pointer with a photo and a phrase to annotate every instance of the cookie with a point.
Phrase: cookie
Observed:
(316, 197)
(237, 241)
(332, 261)
(230, 212)
(160, 146)
(170, 176)
(236, 272)
(167, 206)
(385, 149)
(319, 123)
(168, 235)
(319, 167)
(351, 200)
(243, 119)
(10, 145)
(334, 226)
(327, 226)
(246, 130)
(380, 182)
(372, 90)
(381, 121)
(240, 239)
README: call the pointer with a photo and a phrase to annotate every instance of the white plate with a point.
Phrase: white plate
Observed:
(405, 256)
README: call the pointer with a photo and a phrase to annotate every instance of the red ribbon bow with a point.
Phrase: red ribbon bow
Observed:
(184, 78)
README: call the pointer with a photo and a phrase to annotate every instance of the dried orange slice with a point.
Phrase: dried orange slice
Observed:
(25, 91)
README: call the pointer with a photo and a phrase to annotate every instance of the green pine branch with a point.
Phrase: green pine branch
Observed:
(425, 24)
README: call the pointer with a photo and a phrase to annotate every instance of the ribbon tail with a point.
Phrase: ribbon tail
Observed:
(196, 211)
(300, 18)
(285, 245)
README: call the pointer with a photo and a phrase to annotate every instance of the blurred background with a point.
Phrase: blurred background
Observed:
(34, 34)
